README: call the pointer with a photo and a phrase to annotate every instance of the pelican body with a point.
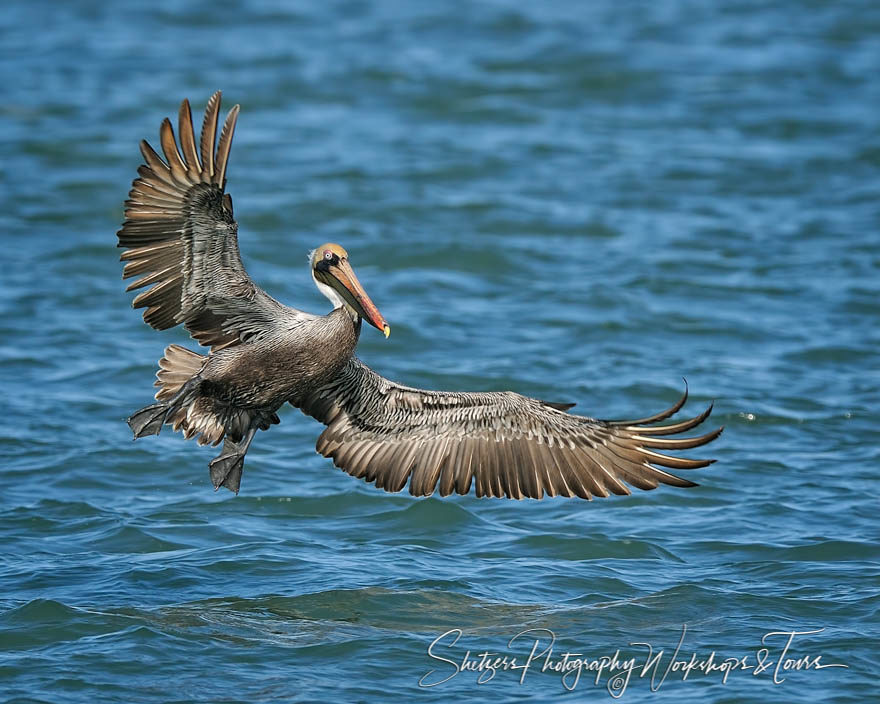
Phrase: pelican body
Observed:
(181, 239)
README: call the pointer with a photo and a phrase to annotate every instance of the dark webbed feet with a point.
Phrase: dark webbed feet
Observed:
(226, 471)
(148, 421)
(227, 467)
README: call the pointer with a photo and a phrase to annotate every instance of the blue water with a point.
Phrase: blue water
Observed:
(579, 201)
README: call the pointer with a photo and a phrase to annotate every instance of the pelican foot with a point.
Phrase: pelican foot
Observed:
(148, 421)
(226, 471)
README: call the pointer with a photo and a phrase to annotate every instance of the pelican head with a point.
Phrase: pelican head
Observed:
(335, 278)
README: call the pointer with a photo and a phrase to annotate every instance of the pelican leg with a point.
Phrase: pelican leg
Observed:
(226, 468)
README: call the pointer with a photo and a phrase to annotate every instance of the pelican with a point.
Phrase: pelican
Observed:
(180, 238)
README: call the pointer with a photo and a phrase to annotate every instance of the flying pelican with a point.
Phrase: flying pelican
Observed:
(180, 236)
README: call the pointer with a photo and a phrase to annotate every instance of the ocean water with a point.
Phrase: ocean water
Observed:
(581, 201)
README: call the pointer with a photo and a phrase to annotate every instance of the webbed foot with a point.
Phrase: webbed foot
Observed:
(226, 471)
(148, 421)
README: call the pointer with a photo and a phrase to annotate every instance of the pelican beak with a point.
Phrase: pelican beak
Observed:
(342, 278)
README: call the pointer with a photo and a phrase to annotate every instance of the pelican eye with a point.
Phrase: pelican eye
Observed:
(328, 255)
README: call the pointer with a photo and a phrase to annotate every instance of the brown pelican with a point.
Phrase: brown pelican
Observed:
(180, 237)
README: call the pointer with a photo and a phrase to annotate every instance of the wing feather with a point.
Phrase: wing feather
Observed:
(463, 472)
(224, 145)
(172, 156)
(501, 443)
(209, 134)
(179, 231)
(188, 141)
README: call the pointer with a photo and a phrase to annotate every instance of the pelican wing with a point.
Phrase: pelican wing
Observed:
(182, 240)
(504, 443)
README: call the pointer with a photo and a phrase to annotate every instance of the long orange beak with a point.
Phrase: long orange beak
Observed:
(343, 279)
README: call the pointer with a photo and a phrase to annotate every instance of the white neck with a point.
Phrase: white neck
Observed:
(330, 293)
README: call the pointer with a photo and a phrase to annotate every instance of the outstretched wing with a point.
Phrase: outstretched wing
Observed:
(507, 444)
(180, 235)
